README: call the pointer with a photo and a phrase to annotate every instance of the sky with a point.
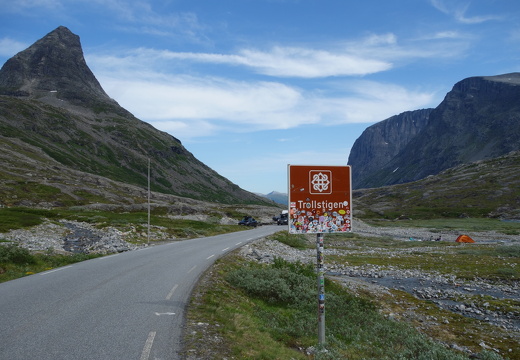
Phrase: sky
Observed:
(250, 86)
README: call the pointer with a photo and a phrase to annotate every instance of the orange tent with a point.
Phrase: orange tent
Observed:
(464, 239)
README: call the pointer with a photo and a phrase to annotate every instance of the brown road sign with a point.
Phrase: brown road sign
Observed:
(320, 199)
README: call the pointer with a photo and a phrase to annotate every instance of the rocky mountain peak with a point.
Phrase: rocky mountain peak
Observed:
(383, 141)
(54, 64)
(56, 122)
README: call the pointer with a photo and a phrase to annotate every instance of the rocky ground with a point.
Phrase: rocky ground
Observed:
(82, 237)
(70, 236)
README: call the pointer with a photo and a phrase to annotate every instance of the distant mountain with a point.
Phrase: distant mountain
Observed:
(277, 197)
(478, 119)
(54, 111)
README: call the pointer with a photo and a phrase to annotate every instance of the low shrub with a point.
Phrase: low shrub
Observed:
(286, 299)
(297, 241)
(509, 251)
(274, 285)
(16, 255)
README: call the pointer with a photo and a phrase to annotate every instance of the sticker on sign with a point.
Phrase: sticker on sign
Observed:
(320, 199)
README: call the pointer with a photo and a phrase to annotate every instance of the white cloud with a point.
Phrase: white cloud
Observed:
(373, 54)
(186, 129)
(183, 98)
(289, 61)
(140, 17)
(458, 11)
(441, 35)
(379, 40)
(447, 44)
(310, 63)
(191, 107)
(9, 47)
(143, 82)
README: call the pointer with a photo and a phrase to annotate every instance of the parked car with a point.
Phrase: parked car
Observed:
(248, 221)
(282, 219)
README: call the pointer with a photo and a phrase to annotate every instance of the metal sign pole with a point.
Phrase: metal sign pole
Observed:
(321, 289)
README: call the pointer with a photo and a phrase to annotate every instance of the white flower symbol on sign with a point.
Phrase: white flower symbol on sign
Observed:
(320, 182)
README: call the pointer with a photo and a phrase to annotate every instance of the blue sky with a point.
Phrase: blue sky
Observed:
(250, 86)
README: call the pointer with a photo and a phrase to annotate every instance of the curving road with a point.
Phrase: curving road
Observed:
(125, 306)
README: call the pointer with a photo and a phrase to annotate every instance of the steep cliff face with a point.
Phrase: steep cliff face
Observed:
(383, 141)
(55, 64)
(478, 119)
(51, 100)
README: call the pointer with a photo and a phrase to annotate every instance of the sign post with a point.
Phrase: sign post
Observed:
(320, 202)
(321, 289)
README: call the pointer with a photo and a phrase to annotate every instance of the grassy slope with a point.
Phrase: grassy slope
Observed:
(484, 189)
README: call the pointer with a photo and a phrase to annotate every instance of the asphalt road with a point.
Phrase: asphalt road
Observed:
(125, 306)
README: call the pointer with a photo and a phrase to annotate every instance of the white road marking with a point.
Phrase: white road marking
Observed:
(107, 257)
(166, 313)
(209, 257)
(148, 346)
(193, 268)
(170, 294)
(225, 249)
(238, 243)
(51, 271)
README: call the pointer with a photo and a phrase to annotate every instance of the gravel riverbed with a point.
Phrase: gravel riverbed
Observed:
(70, 237)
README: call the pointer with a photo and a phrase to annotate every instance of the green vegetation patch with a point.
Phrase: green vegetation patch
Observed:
(16, 262)
(18, 218)
(461, 224)
(136, 222)
(466, 261)
(297, 241)
(15, 190)
(270, 312)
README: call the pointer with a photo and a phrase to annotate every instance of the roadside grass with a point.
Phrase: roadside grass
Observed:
(225, 315)
(16, 262)
(255, 311)
(297, 241)
(461, 224)
(466, 261)
(356, 241)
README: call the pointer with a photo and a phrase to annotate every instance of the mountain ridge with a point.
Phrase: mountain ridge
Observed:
(51, 100)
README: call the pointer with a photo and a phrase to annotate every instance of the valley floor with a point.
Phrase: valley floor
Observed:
(466, 313)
